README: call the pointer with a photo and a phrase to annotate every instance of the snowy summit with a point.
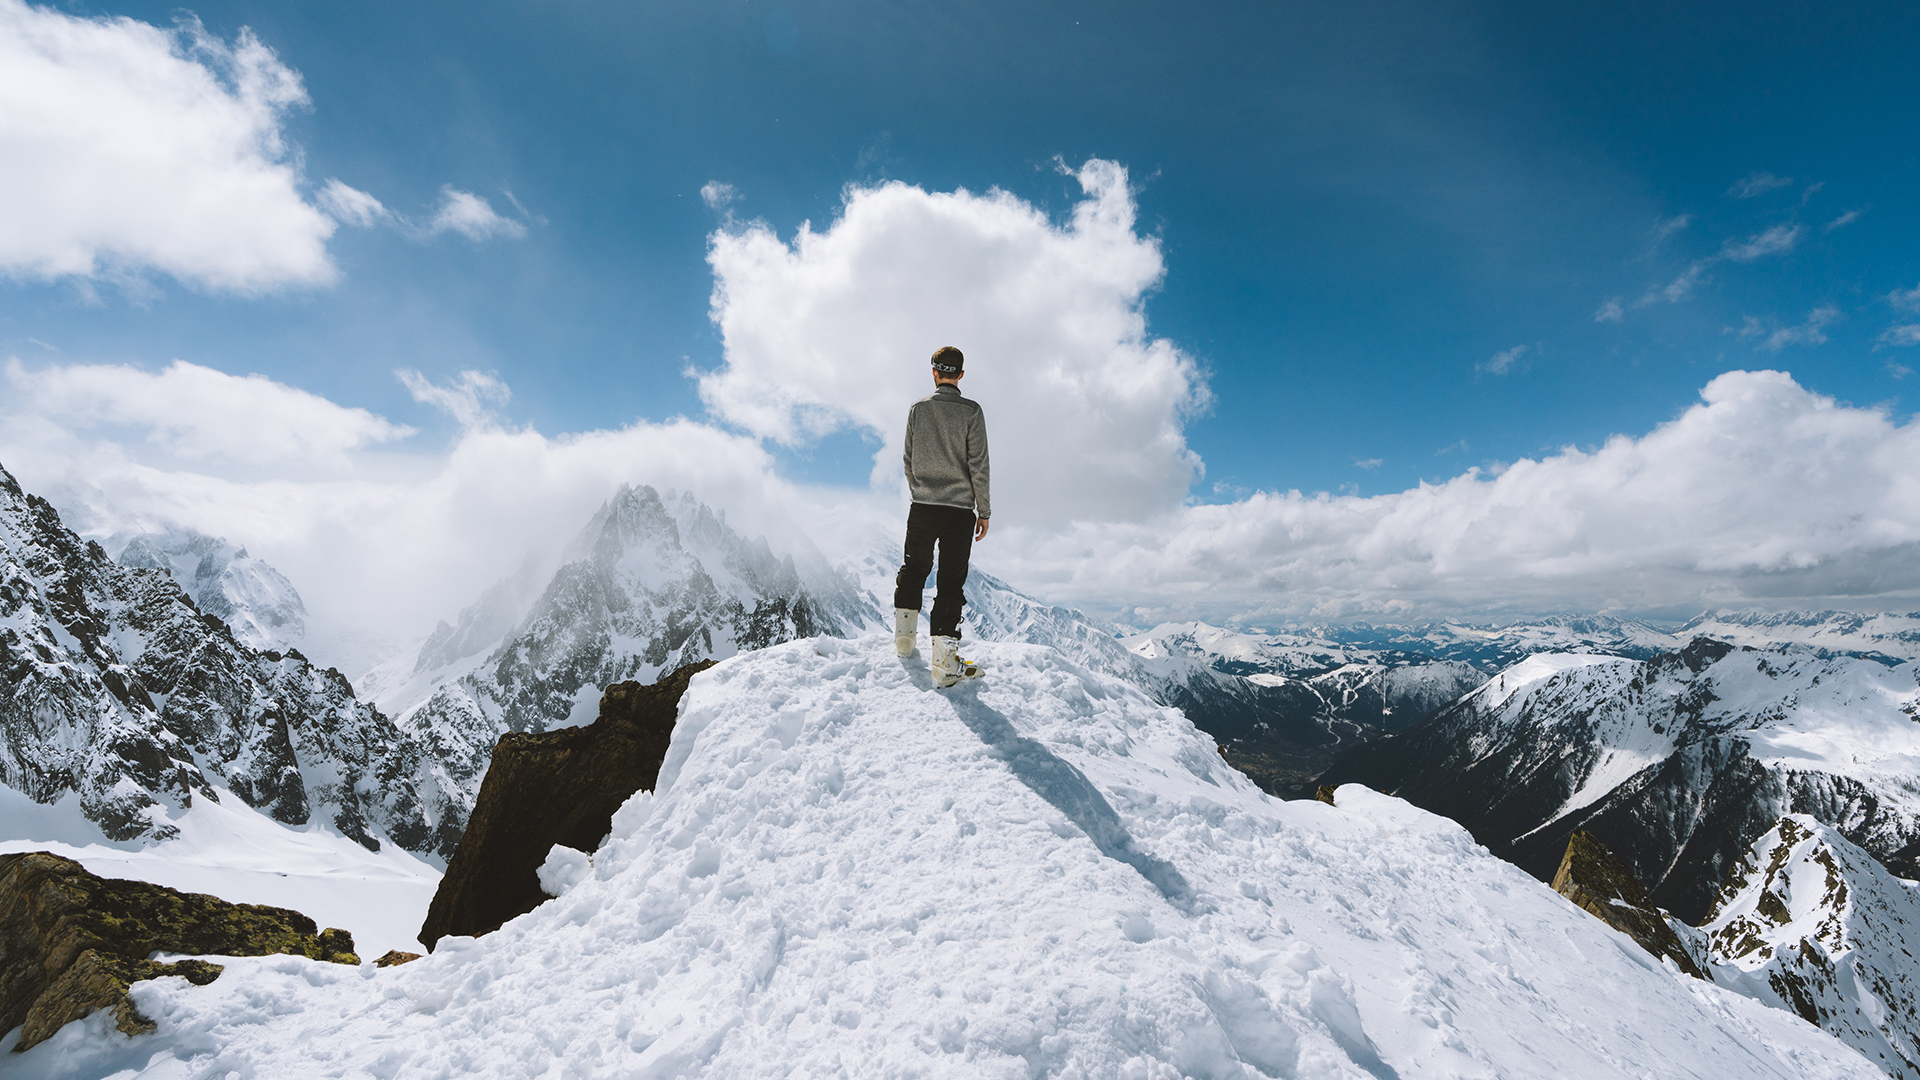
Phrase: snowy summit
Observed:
(845, 872)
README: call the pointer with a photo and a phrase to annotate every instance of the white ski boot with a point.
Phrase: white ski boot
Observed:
(949, 667)
(906, 624)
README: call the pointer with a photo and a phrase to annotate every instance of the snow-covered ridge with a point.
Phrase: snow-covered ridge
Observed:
(1812, 924)
(1676, 763)
(1045, 874)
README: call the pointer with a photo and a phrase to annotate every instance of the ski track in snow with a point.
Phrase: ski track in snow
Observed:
(847, 873)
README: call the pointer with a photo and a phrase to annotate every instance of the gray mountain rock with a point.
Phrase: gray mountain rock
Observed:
(115, 686)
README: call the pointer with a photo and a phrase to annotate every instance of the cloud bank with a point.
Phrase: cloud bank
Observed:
(1762, 492)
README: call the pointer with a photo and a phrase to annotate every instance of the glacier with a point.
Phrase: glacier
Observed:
(1048, 874)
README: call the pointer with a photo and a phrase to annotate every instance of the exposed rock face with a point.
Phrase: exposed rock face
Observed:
(1598, 882)
(114, 686)
(1811, 923)
(557, 787)
(1677, 763)
(71, 942)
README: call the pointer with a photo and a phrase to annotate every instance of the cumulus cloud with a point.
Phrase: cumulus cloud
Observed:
(718, 196)
(1758, 184)
(1611, 311)
(380, 534)
(472, 217)
(199, 414)
(1501, 362)
(1763, 492)
(126, 148)
(832, 331)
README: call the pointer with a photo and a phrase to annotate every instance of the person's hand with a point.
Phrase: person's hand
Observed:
(979, 529)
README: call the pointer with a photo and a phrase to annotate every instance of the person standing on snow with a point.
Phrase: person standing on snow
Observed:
(946, 460)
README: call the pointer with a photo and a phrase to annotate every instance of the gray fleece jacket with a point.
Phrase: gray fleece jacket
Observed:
(946, 454)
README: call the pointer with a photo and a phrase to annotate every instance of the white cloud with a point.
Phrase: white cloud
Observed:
(1679, 288)
(197, 414)
(1611, 311)
(1901, 371)
(125, 148)
(379, 535)
(1771, 242)
(350, 206)
(472, 217)
(1668, 226)
(1842, 221)
(1758, 184)
(1905, 298)
(718, 196)
(470, 398)
(1900, 336)
(1502, 362)
(1085, 410)
(1810, 332)
(1370, 463)
(1764, 492)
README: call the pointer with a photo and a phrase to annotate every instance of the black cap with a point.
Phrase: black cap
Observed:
(947, 360)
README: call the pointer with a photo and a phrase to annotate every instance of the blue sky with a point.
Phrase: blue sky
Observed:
(1397, 242)
(1358, 203)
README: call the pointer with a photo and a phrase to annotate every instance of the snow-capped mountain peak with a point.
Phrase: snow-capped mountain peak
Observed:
(256, 600)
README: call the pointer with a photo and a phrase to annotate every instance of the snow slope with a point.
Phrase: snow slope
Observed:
(845, 873)
(233, 851)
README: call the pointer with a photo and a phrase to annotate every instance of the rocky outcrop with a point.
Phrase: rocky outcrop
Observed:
(1599, 883)
(72, 942)
(557, 787)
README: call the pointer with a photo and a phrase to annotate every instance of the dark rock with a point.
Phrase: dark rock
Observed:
(1325, 793)
(71, 942)
(558, 787)
(395, 957)
(1600, 883)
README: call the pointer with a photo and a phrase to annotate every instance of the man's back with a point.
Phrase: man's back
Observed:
(946, 452)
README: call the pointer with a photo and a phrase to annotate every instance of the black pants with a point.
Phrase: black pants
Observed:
(952, 528)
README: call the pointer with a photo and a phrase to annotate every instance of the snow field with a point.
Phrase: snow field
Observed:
(846, 873)
(237, 853)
